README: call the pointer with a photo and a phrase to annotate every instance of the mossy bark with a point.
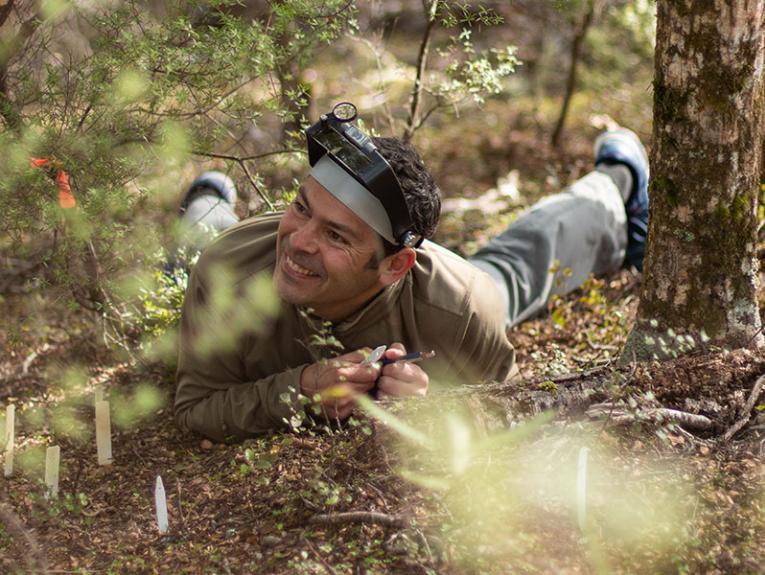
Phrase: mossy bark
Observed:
(701, 265)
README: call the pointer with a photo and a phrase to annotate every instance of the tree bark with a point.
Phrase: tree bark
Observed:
(701, 262)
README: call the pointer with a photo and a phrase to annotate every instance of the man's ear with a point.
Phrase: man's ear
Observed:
(395, 266)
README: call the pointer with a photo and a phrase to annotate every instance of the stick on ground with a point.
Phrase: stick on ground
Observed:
(746, 414)
(367, 517)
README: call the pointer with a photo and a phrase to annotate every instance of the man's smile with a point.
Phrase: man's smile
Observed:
(297, 269)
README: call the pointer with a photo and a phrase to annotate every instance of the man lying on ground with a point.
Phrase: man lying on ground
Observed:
(353, 268)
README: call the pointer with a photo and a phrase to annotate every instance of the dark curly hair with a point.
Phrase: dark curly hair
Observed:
(420, 190)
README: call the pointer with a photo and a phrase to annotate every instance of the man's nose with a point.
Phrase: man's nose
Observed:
(305, 238)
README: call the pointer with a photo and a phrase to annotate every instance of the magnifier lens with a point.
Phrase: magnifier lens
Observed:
(345, 112)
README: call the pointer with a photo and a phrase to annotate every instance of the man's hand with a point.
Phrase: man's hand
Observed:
(403, 378)
(338, 381)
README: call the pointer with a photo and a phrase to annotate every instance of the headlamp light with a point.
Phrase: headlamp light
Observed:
(364, 182)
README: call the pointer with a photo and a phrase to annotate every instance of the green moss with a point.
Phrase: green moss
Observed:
(721, 214)
(684, 235)
(741, 210)
(721, 83)
(668, 103)
(736, 216)
(666, 188)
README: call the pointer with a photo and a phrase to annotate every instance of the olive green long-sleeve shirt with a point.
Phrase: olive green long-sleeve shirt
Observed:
(240, 361)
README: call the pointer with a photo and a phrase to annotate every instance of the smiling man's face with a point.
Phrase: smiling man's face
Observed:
(323, 255)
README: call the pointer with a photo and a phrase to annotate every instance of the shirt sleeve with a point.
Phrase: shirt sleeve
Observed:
(213, 396)
(484, 350)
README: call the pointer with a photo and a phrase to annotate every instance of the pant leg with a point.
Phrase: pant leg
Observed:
(578, 232)
(205, 216)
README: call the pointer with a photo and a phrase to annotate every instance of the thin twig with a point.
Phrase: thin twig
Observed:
(424, 541)
(757, 333)
(254, 184)
(747, 411)
(568, 377)
(243, 165)
(380, 83)
(601, 346)
(318, 556)
(180, 507)
(364, 517)
(693, 438)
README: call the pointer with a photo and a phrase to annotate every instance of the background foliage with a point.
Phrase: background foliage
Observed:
(135, 98)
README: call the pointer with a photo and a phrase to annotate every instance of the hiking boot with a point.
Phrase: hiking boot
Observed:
(206, 209)
(217, 182)
(622, 146)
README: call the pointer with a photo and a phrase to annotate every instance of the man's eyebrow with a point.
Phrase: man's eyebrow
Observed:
(330, 223)
(302, 198)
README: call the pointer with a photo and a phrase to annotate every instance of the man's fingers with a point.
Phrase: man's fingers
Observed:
(405, 371)
(397, 388)
(355, 357)
(399, 370)
(395, 351)
(359, 373)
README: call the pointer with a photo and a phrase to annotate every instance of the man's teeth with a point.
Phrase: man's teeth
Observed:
(298, 268)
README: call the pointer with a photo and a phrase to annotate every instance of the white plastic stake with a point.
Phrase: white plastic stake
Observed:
(10, 438)
(103, 433)
(581, 487)
(52, 459)
(98, 395)
(161, 502)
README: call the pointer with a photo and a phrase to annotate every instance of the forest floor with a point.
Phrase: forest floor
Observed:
(470, 497)
(659, 499)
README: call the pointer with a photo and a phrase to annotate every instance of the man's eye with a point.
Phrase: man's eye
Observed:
(335, 237)
(299, 208)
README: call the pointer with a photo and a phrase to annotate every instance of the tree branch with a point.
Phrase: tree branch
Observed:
(254, 184)
(576, 48)
(422, 60)
(234, 158)
(5, 11)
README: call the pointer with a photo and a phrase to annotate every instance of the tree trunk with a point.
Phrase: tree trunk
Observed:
(701, 266)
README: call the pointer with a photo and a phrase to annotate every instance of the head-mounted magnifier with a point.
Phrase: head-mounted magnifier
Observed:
(346, 162)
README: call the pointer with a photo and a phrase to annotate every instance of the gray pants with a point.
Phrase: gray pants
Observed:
(555, 246)
(205, 216)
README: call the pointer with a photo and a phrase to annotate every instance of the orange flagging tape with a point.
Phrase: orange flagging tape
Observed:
(65, 196)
